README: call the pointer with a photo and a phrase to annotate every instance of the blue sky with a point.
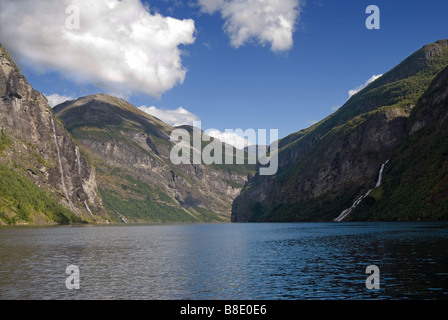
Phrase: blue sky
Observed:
(252, 85)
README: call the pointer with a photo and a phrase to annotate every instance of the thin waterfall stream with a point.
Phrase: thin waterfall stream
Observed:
(87, 207)
(344, 214)
(79, 160)
(60, 163)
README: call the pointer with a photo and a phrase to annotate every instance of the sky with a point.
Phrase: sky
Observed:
(231, 64)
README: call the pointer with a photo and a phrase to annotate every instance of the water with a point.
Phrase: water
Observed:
(380, 178)
(226, 261)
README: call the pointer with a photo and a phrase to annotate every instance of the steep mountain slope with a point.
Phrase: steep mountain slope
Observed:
(325, 168)
(137, 180)
(415, 185)
(44, 176)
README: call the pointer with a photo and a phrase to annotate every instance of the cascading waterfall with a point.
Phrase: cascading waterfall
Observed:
(60, 163)
(346, 212)
(380, 178)
(87, 207)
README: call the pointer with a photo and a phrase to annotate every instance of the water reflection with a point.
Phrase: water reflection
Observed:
(226, 261)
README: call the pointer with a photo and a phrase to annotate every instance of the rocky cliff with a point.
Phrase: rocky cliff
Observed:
(324, 169)
(36, 147)
(137, 180)
(415, 184)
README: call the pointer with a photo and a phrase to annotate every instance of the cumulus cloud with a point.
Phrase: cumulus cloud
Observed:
(55, 99)
(120, 45)
(267, 22)
(355, 91)
(177, 117)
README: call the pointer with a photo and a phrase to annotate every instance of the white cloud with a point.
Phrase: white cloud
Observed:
(182, 116)
(268, 22)
(211, 6)
(231, 138)
(355, 91)
(120, 46)
(177, 117)
(55, 99)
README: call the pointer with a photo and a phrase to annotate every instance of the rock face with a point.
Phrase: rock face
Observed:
(118, 169)
(324, 169)
(415, 184)
(131, 151)
(41, 149)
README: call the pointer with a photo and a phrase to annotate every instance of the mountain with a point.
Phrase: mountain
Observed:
(137, 180)
(100, 159)
(324, 170)
(415, 184)
(44, 175)
(382, 156)
(257, 149)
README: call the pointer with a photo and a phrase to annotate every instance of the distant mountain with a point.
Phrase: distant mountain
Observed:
(256, 149)
(106, 161)
(325, 169)
(99, 159)
(44, 176)
(130, 150)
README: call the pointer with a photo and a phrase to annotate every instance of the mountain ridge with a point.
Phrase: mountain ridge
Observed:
(132, 149)
(103, 160)
(99, 159)
(325, 168)
(415, 186)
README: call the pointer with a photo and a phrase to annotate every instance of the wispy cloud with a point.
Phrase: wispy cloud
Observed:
(181, 116)
(176, 117)
(352, 92)
(120, 46)
(335, 108)
(55, 99)
(267, 22)
(231, 138)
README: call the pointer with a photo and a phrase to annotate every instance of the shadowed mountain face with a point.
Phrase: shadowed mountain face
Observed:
(137, 180)
(45, 178)
(415, 185)
(324, 169)
(382, 156)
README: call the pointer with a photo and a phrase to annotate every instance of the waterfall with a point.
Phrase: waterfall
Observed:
(87, 207)
(79, 161)
(380, 178)
(60, 163)
(346, 212)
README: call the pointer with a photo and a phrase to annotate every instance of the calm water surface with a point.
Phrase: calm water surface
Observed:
(226, 261)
